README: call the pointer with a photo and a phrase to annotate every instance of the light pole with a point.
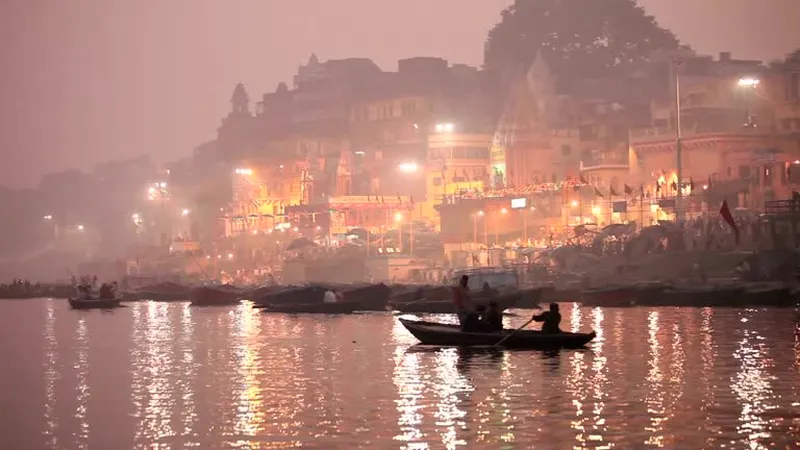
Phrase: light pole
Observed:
(678, 147)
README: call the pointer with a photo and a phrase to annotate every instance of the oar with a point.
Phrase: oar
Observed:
(512, 333)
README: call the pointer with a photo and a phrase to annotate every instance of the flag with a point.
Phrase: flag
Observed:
(582, 180)
(658, 187)
(368, 199)
(382, 199)
(674, 185)
(628, 190)
(691, 185)
(399, 199)
(725, 212)
(597, 193)
(411, 199)
(709, 181)
(613, 192)
(641, 190)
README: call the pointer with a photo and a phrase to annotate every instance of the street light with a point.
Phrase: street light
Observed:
(185, 212)
(408, 167)
(245, 171)
(136, 218)
(503, 211)
(446, 127)
(749, 82)
(398, 217)
(48, 217)
(81, 227)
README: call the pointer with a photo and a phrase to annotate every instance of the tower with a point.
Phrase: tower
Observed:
(240, 101)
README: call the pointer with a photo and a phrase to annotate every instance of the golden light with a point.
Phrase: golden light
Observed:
(446, 127)
(398, 217)
(244, 171)
(480, 213)
(705, 187)
(749, 82)
(596, 210)
(503, 211)
(162, 184)
(409, 167)
(574, 203)
(230, 255)
(255, 232)
(81, 228)
(654, 207)
(48, 217)
(136, 218)
(185, 212)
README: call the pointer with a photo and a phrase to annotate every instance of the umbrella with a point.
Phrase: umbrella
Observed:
(299, 243)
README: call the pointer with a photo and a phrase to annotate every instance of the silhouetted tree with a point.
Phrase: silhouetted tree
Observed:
(576, 37)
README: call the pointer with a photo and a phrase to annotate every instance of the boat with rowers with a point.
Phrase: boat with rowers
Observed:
(433, 333)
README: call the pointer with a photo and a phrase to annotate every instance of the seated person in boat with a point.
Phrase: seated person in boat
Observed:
(486, 288)
(330, 297)
(493, 319)
(106, 291)
(461, 299)
(550, 319)
(84, 292)
(473, 322)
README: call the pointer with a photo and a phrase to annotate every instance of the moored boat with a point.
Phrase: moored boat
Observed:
(504, 302)
(373, 297)
(614, 297)
(94, 303)
(215, 296)
(431, 333)
(343, 307)
(292, 295)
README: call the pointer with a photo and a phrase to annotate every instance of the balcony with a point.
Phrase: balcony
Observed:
(657, 134)
(605, 160)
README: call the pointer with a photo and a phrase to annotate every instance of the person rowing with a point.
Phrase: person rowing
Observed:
(550, 320)
(461, 299)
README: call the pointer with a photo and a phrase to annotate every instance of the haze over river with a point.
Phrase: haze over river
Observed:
(171, 376)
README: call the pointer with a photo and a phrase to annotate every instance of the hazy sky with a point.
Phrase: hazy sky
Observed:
(84, 81)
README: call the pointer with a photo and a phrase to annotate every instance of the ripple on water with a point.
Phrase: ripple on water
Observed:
(216, 378)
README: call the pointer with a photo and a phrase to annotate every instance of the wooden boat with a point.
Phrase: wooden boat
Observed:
(215, 296)
(610, 297)
(163, 292)
(768, 296)
(431, 333)
(531, 298)
(94, 303)
(373, 297)
(292, 295)
(699, 297)
(447, 307)
(343, 307)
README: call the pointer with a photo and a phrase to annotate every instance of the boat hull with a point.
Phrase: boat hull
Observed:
(313, 308)
(448, 307)
(206, 296)
(430, 333)
(108, 303)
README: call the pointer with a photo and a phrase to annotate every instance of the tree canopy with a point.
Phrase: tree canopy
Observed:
(576, 37)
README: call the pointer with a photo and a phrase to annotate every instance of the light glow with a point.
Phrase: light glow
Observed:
(409, 167)
(446, 127)
(244, 171)
(749, 82)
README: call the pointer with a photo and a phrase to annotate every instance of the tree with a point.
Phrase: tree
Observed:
(576, 37)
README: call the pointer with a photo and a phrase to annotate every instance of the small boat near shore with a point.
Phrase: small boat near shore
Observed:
(224, 295)
(343, 307)
(432, 333)
(94, 303)
(425, 306)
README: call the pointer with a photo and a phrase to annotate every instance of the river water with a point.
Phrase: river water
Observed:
(171, 376)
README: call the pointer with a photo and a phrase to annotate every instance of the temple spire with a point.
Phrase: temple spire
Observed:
(240, 101)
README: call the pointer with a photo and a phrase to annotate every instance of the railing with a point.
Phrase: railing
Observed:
(668, 133)
(605, 159)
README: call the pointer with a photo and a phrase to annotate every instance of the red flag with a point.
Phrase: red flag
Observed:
(725, 212)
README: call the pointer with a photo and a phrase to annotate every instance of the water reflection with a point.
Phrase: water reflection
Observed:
(752, 386)
(82, 388)
(235, 378)
(655, 382)
(50, 377)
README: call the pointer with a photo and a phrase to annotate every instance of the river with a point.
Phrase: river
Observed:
(170, 376)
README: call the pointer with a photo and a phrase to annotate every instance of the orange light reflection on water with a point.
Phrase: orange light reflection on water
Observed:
(599, 381)
(410, 388)
(189, 367)
(82, 394)
(250, 415)
(576, 379)
(655, 383)
(448, 385)
(50, 376)
(751, 384)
